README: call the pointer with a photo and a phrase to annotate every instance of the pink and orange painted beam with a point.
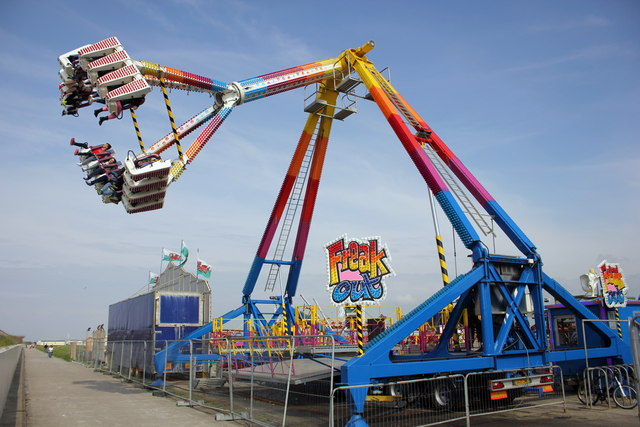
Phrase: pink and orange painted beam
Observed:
(250, 89)
(311, 193)
(183, 130)
(288, 79)
(281, 202)
(246, 90)
(479, 192)
(179, 79)
(394, 113)
(198, 144)
(428, 171)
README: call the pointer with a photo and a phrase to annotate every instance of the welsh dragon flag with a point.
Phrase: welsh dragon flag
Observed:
(153, 278)
(204, 269)
(168, 255)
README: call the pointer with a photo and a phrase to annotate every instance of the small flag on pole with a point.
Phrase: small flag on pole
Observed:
(168, 255)
(204, 269)
(184, 254)
(153, 278)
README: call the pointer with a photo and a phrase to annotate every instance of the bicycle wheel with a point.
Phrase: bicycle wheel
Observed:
(583, 396)
(625, 396)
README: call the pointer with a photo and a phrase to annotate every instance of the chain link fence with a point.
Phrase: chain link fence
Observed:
(280, 380)
(443, 399)
(275, 380)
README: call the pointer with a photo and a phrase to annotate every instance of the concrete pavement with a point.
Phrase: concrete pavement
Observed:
(61, 393)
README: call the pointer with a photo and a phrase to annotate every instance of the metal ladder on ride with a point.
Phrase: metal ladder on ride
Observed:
(467, 204)
(397, 102)
(290, 212)
(468, 207)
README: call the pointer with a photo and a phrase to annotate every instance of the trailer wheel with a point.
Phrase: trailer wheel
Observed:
(442, 394)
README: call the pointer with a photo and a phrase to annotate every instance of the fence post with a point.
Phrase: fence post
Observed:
(333, 358)
(564, 397)
(95, 354)
(121, 357)
(332, 395)
(253, 367)
(467, 406)
(230, 378)
(144, 361)
(635, 349)
(130, 359)
(286, 396)
(111, 357)
(190, 372)
(164, 368)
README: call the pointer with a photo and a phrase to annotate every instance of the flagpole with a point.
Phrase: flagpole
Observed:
(161, 257)
(181, 255)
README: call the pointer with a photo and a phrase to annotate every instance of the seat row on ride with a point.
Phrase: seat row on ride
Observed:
(102, 169)
(104, 73)
(141, 183)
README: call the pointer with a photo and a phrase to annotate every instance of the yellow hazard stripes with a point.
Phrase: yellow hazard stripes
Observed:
(179, 165)
(285, 319)
(137, 128)
(443, 262)
(618, 323)
(171, 119)
(359, 330)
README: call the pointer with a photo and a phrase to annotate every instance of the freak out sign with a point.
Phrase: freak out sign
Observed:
(614, 290)
(357, 269)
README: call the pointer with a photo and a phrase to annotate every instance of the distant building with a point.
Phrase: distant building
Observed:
(144, 324)
(54, 343)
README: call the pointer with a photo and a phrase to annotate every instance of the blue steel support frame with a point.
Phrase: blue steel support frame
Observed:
(172, 349)
(265, 324)
(508, 340)
(379, 361)
(295, 264)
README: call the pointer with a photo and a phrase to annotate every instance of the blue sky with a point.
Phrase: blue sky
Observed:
(538, 99)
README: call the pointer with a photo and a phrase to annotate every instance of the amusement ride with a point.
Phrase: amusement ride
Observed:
(494, 291)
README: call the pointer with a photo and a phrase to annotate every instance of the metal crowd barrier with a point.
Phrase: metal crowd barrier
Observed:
(259, 379)
(444, 399)
(271, 381)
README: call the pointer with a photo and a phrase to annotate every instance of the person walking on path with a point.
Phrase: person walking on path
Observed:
(50, 351)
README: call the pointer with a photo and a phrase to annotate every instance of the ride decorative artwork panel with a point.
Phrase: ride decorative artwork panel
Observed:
(614, 289)
(357, 269)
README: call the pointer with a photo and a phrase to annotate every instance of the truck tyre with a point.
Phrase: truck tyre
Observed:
(443, 393)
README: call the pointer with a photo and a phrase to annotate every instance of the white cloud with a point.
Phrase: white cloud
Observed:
(586, 22)
(90, 255)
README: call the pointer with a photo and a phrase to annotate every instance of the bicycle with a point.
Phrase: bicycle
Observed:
(624, 395)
